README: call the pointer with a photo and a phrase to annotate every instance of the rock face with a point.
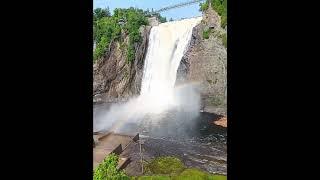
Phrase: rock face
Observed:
(116, 79)
(153, 21)
(205, 62)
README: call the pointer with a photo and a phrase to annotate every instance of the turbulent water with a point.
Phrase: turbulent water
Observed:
(159, 96)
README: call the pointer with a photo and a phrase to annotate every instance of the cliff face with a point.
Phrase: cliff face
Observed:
(115, 78)
(206, 62)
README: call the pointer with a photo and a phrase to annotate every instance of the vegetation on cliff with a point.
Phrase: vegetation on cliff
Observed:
(204, 6)
(107, 28)
(206, 34)
(158, 15)
(220, 6)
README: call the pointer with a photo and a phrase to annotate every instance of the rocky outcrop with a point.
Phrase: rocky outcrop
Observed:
(116, 79)
(206, 62)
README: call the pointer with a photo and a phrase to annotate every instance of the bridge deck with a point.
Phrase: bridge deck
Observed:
(178, 5)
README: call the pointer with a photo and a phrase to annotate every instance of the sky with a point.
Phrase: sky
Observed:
(178, 13)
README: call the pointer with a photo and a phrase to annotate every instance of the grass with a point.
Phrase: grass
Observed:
(171, 168)
(195, 174)
(151, 178)
(187, 174)
(165, 165)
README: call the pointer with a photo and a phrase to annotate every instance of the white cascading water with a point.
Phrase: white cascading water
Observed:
(167, 44)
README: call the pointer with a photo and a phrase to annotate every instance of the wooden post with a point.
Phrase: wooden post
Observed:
(141, 156)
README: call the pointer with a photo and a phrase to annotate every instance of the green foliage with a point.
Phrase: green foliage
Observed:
(162, 19)
(220, 6)
(97, 15)
(130, 53)
(100, 13)
(192, 174)
(187, 174)
(223, 21)
(108, 169)
(100, 48)
(152, 178)
(206, 34)
(198, 174)
(165, 165)
(204, 6)
(171, 168)
(107, 28)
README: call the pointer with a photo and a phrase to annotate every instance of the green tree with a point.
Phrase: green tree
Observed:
(100, 13)
(108, 28)
(204, 6)
(220, 6)
(163, 19)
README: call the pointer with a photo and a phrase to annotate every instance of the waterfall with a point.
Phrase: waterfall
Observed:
(167, 45)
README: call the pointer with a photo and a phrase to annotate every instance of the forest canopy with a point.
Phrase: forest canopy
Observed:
(107, 28)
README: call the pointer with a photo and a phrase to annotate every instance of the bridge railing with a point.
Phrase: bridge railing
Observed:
(177, 5)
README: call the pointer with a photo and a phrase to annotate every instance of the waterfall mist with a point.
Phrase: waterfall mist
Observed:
(161, 108)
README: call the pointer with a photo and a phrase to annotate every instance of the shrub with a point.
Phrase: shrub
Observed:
(223, 21)
(206, 34)
(130, 53)
(220, 6)
(204, 6)
(100, 48)
(108, 169)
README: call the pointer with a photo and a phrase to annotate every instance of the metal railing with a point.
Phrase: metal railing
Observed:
(178, 5)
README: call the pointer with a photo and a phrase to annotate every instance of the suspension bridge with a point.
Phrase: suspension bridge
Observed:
(177, 5)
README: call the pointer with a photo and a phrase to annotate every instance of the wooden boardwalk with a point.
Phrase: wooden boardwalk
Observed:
(108, 143)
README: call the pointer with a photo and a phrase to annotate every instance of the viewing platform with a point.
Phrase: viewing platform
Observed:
(110, 142)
